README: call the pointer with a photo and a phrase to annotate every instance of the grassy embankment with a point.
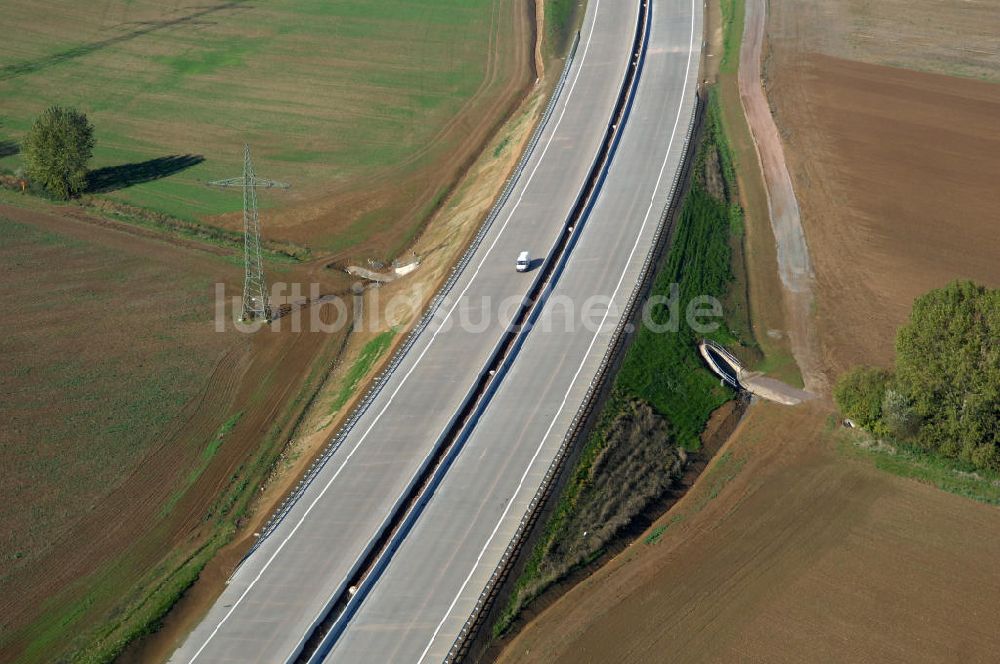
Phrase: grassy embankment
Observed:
(662, 396)
(370, 354)
(562, 18)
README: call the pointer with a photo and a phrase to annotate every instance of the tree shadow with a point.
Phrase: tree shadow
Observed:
(9, 149)
(111, 178)
(144, 28)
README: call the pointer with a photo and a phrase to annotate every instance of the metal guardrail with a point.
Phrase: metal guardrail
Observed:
(487, 596)
(382, 379)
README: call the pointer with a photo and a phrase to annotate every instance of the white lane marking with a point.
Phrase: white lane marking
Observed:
(565, 398)
(503, 227)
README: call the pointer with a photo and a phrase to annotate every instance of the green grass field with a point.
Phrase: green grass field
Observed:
(562, 17)
(329, 94)
(664, 369)
(732, 30)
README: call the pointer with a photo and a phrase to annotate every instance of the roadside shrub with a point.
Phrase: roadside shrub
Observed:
(860, 394)
(945, 395)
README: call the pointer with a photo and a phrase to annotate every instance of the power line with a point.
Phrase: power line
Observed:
(255, 301)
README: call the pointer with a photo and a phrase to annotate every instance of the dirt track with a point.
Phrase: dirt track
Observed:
(794, 264)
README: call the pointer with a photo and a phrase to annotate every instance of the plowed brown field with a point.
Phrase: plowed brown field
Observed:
(786, 551)
(895, 173)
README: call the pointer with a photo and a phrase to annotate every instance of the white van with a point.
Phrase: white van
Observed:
(523, 261)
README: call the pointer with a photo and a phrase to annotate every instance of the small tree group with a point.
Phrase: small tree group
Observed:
(945, 392)
(56, 151)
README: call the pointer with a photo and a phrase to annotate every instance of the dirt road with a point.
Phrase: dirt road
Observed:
(794, 264)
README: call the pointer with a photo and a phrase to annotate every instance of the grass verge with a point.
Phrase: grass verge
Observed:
(562, 18)
(370, 354)
(664, 368)
(733, 13)
(917, 464)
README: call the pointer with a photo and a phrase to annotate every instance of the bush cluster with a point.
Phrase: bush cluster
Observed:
(944, 395)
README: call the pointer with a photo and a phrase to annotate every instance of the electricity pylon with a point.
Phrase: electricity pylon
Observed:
(255, 303)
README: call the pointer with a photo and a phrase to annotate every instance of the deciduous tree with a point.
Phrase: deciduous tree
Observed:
(57, 149)
(948, 366)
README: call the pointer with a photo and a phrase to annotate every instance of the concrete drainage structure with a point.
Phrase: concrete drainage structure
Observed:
(726, 366)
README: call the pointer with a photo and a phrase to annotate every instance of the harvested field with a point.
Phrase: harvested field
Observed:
(120, 393)
(788, 551)
(955, 39)
(895, 174)
(370, 109)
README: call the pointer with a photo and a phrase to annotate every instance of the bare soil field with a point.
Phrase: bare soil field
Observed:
(955, 39)
(894, 169)
(58, 448)
(787, 551)
(130, 425)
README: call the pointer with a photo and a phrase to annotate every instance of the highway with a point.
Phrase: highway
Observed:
(420, 603)
(286, 586)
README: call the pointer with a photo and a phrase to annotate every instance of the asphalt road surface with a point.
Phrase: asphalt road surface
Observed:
(417, 607)
(285, 586)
